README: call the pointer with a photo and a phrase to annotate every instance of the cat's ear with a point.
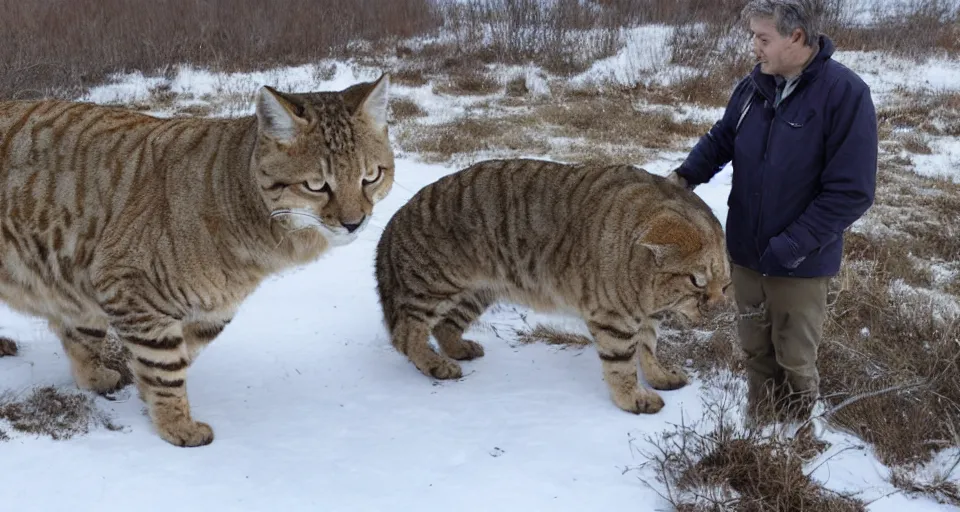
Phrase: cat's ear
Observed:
(370, 99)
(278, 116)
(670, 236)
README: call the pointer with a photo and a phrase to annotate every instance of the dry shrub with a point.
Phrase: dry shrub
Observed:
(51, 47)
(718, 53)
(517, 86)
(410, 76)
(475, 81)
(933, 112)
(917, 143)
(405, 108)
(563, 36)
(708, 348)
(715, 464)
(54, 413)
(553, 336)
(915, 29)
(883, 338)
(940, 488)
(8, 347)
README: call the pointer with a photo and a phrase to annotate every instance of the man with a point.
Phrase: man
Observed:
(801, 132)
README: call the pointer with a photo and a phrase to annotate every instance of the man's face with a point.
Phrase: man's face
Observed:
(775, 53)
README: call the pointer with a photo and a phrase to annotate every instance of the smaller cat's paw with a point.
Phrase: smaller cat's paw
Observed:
(8, 347)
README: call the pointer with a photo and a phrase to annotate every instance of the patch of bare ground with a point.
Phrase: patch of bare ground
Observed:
(48, 411)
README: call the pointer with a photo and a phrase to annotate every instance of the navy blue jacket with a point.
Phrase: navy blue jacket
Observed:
(802, 172)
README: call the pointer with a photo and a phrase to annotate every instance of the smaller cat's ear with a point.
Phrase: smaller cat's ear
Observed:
(278, 116)
(374, 104)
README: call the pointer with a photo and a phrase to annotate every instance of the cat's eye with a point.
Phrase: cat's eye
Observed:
(697, 281)
(324, 189)
(375, 178)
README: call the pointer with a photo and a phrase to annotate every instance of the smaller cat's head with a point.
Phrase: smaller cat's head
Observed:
(324, 159)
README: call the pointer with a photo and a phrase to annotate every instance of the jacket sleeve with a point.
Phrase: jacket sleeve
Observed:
(848, 180)
(715, 148)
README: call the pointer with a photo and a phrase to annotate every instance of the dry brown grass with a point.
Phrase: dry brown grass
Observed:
(59, 48)
(932, 112)
(717, 51)
(474, 81)
(551, 34)
(472, 134)
(8, 347)
(404, 108)
(48, 411)
(716, 464)
(916, 29)
(553, 336)
(941, 488)
(617, 120)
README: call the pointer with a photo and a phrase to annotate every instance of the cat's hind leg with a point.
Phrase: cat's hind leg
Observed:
(449, 330)
(83, 345)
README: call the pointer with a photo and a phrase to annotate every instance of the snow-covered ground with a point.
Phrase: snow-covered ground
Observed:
(314, 410)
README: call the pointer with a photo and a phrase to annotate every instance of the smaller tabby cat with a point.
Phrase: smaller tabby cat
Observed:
(157, 229)
(615, 245)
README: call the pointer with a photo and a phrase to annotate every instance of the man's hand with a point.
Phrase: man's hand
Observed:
(673, 177)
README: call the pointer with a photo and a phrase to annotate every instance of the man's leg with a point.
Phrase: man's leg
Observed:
(798, 308)
(754, 330)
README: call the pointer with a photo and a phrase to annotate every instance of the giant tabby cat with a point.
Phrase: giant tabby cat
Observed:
(616, 245)
(157, 229)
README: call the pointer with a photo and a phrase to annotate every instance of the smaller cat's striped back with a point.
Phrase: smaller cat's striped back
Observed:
(613, 244)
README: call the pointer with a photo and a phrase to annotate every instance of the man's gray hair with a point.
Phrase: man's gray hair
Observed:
(789, 15)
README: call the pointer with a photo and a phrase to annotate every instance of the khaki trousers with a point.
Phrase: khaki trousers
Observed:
(780, 326)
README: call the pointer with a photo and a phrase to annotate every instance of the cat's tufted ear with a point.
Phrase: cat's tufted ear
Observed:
(670, 236)
(279, 116)
(370, 99)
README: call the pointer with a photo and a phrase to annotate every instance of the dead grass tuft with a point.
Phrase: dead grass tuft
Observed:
(616, 120)
(940, 487)
(915, 29)
(410, 76)
(405, 108)
(474, 81)
(51, 412)
(8, 347)
(553, 336)
(917, 143)
(715, 464)
(883, 335)
(517, 86)
(472, 134)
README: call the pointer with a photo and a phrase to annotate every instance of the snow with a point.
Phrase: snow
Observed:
(313, 409)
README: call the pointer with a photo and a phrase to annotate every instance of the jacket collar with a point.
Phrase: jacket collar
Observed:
(767, 84)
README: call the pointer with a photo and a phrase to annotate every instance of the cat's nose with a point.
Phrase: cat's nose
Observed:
(350, 226)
